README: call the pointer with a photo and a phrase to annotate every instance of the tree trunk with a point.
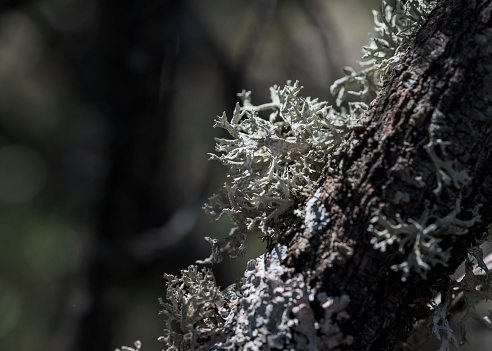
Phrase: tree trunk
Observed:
(424, 158)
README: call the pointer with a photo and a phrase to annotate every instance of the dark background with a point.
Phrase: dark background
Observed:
(106, 114)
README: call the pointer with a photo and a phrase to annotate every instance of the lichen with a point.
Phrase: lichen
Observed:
(448, 172)
(475, 288)
(419, 239)
(316, 218)
(197, 310)
(396, 25)
(276, 313)
(270, 160)
(441, 327)
(268, 312)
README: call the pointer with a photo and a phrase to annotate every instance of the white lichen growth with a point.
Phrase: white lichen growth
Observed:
(396, 25)
(197, 310)
(419, 239)
(316, 218)
(270, 160)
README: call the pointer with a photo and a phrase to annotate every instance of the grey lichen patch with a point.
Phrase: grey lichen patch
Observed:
(270, 314)
(197, 310)
(268, 160)
(448, 172)
(316, 218)
(278, 314)
(419, 239)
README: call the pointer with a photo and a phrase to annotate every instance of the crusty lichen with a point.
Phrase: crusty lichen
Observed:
(268, 313)
(276, 313)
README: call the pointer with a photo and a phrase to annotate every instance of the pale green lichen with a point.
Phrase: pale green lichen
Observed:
(275, 313)
(270, 160)
(419, 239)
(197, 310)
(396, 25)
(447, 172)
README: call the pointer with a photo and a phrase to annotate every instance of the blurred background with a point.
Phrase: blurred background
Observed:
(106, 114)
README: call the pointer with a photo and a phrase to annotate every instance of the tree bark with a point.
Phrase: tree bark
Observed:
(427, 149)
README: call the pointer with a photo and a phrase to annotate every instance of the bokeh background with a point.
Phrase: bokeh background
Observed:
(106, 114)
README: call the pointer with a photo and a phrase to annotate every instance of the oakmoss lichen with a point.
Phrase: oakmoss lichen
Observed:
(270, 160)
(396, 25)
(197, 310)
(422, 236)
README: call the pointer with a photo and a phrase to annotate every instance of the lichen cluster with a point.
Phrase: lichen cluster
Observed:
(396, 25)
(419, 239)
(137, 345)
(197, 309)
(269, 160)
(422, 236)
(278, 314)
(449, 172)
(272, 313)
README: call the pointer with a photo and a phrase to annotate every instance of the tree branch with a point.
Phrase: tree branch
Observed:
(437, 100)
(414, 184)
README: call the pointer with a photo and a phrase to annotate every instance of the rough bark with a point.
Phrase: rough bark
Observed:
(442, 86)
(435, 107)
